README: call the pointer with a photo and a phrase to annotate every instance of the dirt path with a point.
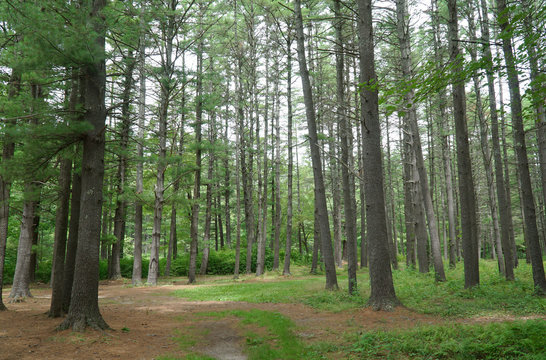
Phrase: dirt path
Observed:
(149, 322)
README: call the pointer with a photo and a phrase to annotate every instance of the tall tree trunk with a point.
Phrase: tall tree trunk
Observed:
(194, 226)
(486, 153)
(139, 188)
(277, 213)
(348, 195)
(382, 295)
(121, 204)
(531, 230)
(288, 248)
(404, 39)
(8, 151)
(466, 182)
(84, 306)
(320, 190)
(208, 197)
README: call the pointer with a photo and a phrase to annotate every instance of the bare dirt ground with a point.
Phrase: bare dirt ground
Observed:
(149, 322)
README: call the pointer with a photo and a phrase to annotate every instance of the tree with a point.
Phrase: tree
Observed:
(464, 165)
(382, 295)
(531, 231)
(320, 190)
(84, 306)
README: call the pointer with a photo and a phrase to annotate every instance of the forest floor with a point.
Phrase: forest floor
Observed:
(153, 323)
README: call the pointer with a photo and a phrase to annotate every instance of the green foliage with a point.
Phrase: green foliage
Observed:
(510, 340)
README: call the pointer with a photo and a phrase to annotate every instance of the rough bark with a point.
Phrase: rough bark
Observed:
(72, 242)
(464, 164)
(84, 306)
(531, 231)
(320, 190)
(59, 245)
(288, 248)
(382, 295)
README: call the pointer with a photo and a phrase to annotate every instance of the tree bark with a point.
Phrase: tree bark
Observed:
(288, 248)
(531, 231)
(320, 190)
(84, 306)
(466, 182)
(382, 295)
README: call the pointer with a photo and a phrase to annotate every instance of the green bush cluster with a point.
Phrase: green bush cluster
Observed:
(220, 263)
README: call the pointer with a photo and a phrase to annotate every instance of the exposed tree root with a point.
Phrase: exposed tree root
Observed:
(383, 304)
(80, 322)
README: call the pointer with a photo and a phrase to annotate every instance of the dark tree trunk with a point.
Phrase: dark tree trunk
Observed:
(466, 182)
(61, 229)
(84, 306)
(320, 190)
(382, 295)
(531, 231)
(72, 242)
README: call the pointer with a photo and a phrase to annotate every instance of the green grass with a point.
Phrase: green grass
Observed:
(514, 340)
(494, 297)
(277, 342)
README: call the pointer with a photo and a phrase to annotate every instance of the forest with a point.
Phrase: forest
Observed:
(372, 153)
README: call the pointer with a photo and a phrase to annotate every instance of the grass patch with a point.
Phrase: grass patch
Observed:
(514, 340)
(277, 342)
(494, 297)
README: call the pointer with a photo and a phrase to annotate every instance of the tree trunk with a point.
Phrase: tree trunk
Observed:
(348, 195)
(139, 188)
(21, 280)
(84, 306)
(382, 295)
(320, 190)
(288, 248)
(194, 226)
(8, 151)
(466, 182)
(61, 229)
(531, 231)
(72, 242)
(486, 153)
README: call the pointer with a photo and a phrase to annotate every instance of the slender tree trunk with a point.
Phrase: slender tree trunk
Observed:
(194, 226)
(288, 249)
(61, 229)
(72, 242)
(121, 204)
(208, 197)
(8, 151)
(382, 295)
(320, 190)
(466, 182)
(531, 230)
(486, 153)
(139, 188)
(84, 306)
(348, 195)
(277, 213)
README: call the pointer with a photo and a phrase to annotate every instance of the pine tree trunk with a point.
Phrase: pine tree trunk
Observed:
(531, 231)
(288, 248)
(72, 242)
(84, 306)
(466, 182)
(320, 190)
(382, 295)
(139, 188)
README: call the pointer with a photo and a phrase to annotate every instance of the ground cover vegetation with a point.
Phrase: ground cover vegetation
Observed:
(396, 151)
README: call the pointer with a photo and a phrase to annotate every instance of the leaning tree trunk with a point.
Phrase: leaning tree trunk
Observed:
(531, 231)
(382, 295)
(320, 190)
(464, 163)
(84, 305)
